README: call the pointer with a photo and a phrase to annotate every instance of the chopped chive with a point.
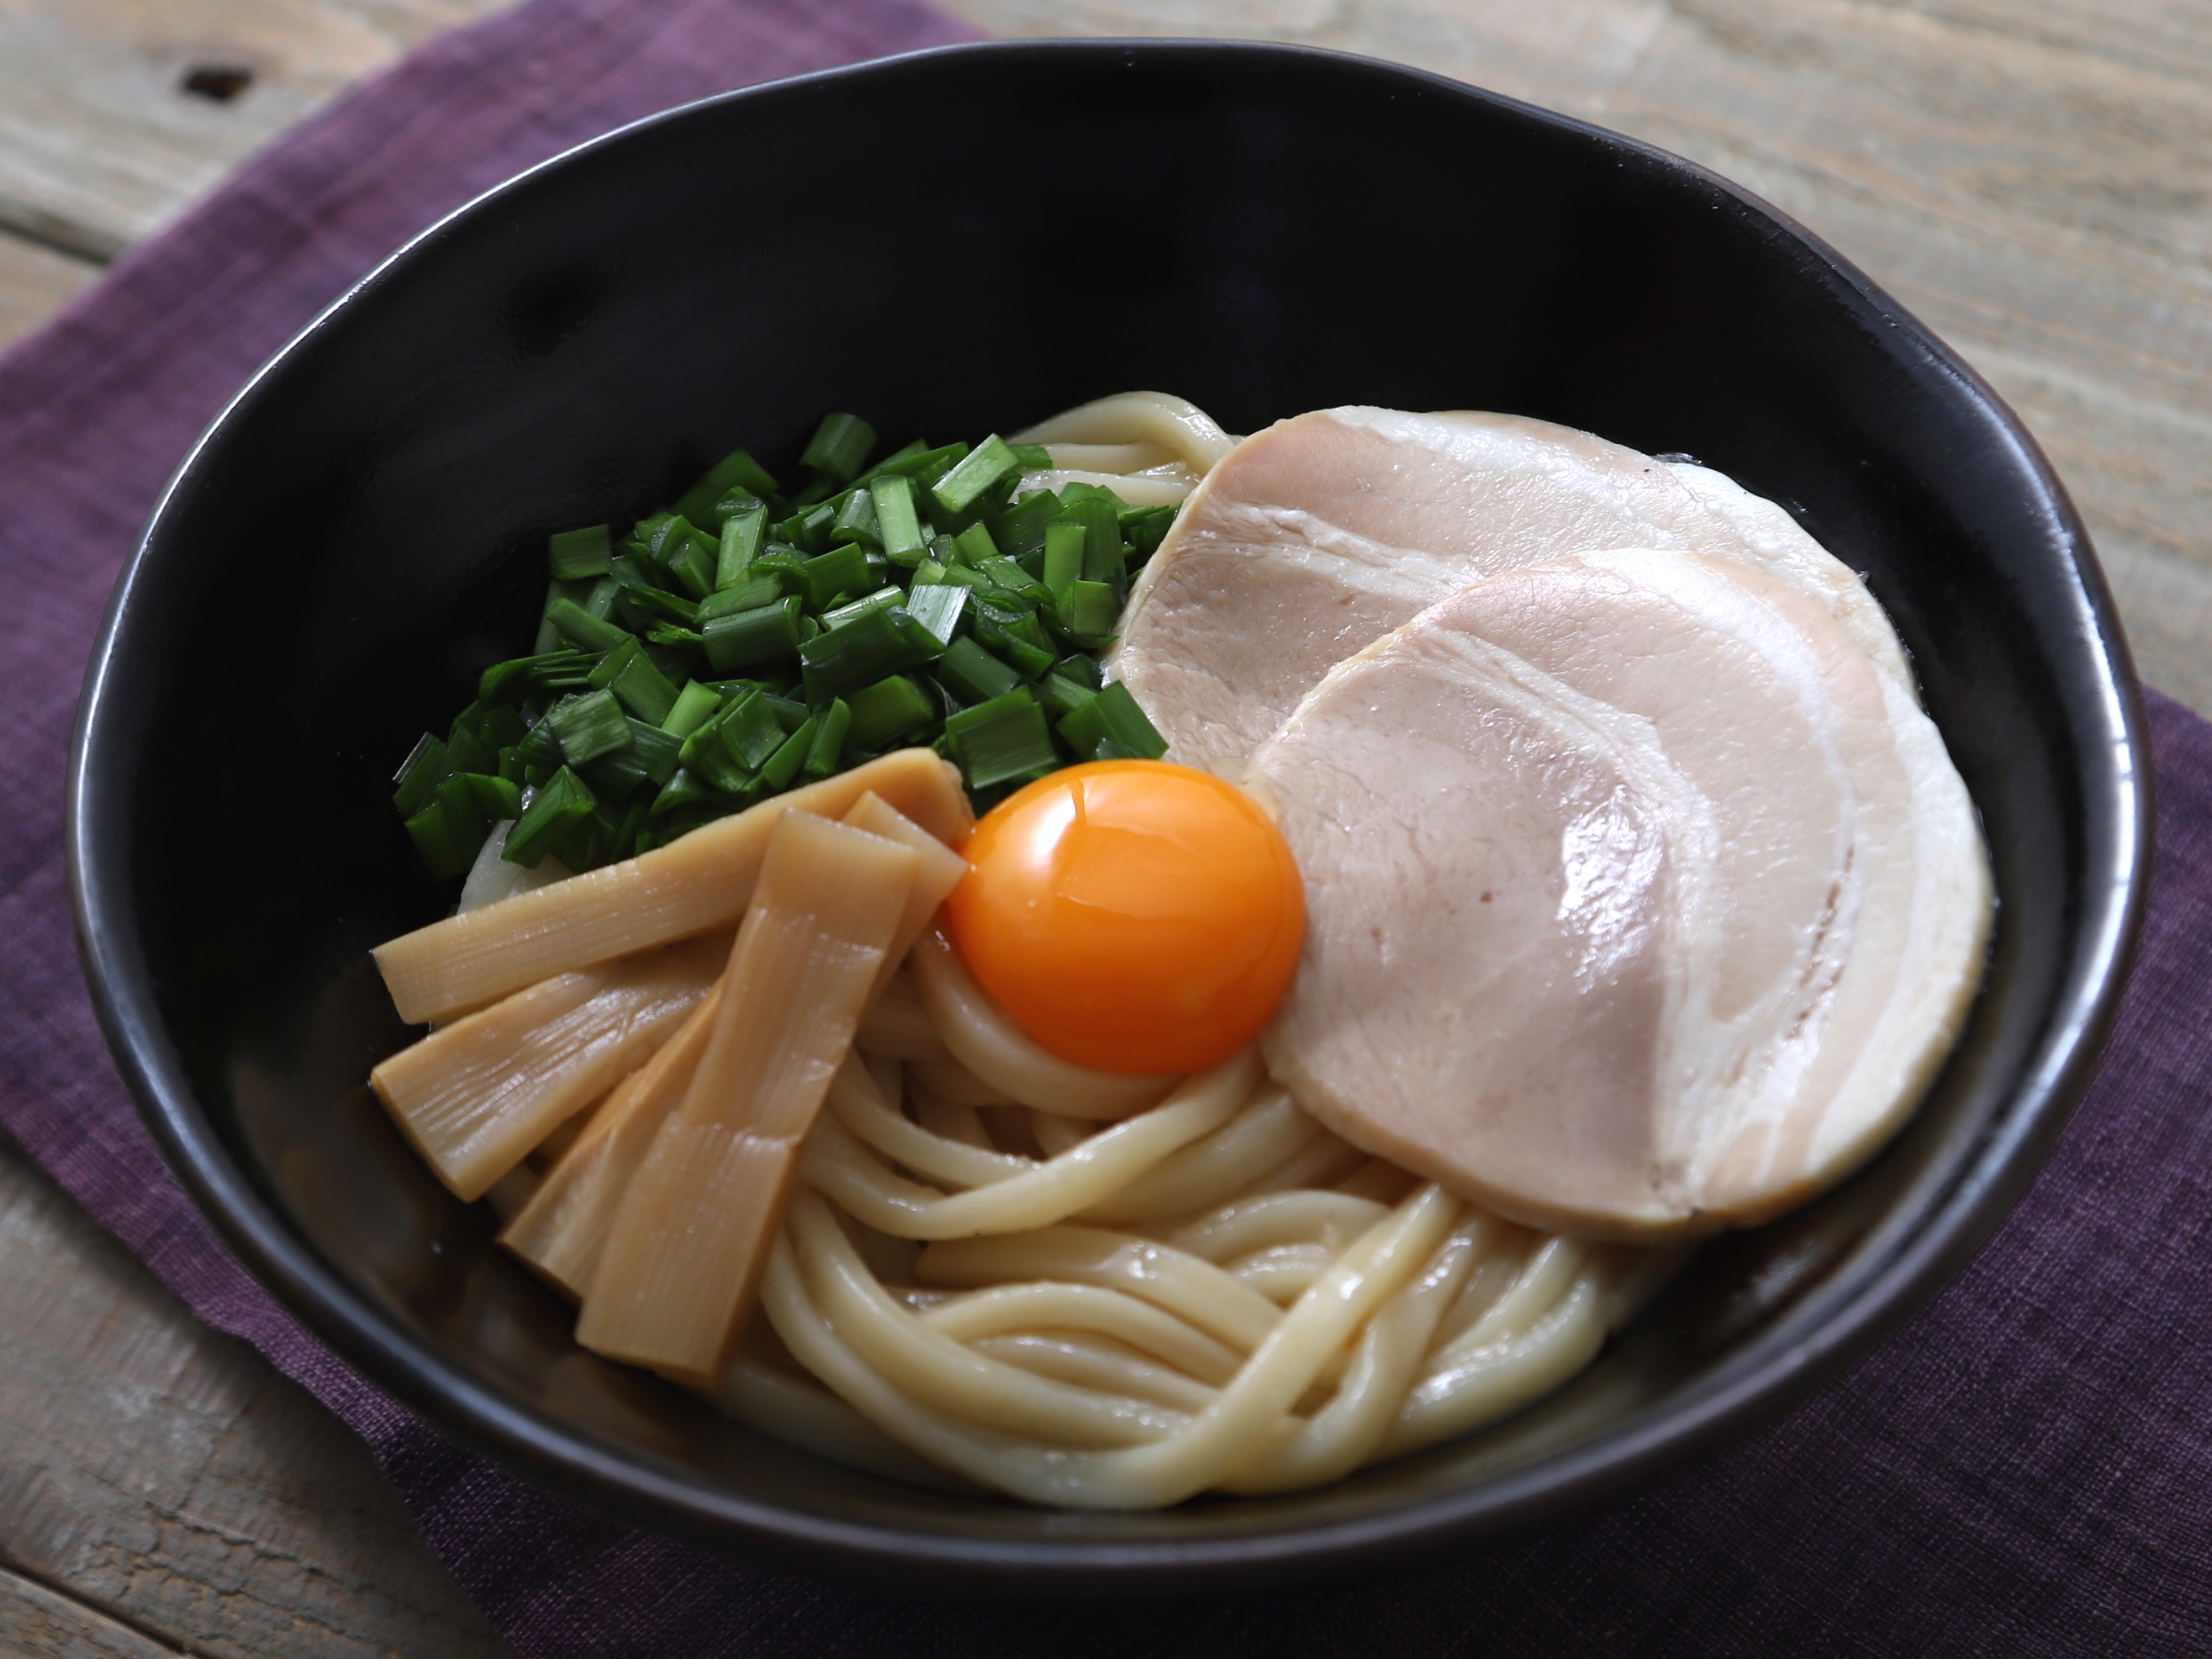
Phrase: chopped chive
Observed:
(501, 726)
(434, 841)
(577, 625)
(863, 649)
(889, 709)
(743, 524)
(918, 462)
(572, 555)
(465, 750)
(929, 573)
(1081, 667)
(561, 803)
(937, 609)
(656, 749)
(1033, 457)
(648, 607)
(542, 748)
(782, 767)
(973, 674)
(1064, 544)
(588, 726)
(465, 823)
(748, 594)
(839, 445)
(843, 569)
(1059, 694)
(600, 598)
(684, 789)
(1016, 583)
(883, 596)
(1012, 641)
(636, 681)
(735, 472)
(1102, 553)
(1002, 740)
(695, 705)
(809, 531)
(496, 798)
(1091, 608)
(418, 775)
(974, 545)
(1113, 716)
(856, 518)
(750, 732)
(829, 739)
(898, 520)
(989, 464)
(687, 555)
(789, 715)
(1144, 528)
(1019, 531)
(751, 638)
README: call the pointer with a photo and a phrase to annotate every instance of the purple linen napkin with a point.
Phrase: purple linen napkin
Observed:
(2027, 1469)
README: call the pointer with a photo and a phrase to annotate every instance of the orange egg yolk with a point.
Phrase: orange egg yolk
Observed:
(1130, 915)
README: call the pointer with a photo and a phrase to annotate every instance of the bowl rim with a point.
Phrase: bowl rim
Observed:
(1737, 1396)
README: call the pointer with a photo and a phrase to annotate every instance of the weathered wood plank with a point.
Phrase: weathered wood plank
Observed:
(168, 1477)
(35, 282)
(38, 1622)
(2032, 177)
(100, 138)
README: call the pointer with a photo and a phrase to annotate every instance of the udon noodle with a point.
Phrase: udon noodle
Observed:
(1101, 1292)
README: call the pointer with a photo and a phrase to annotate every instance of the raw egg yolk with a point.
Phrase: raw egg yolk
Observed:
(1130, 915)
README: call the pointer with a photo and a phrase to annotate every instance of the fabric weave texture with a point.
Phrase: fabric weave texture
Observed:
(2025, 1469)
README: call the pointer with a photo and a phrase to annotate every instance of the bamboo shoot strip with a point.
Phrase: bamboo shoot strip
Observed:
(938, 874)
(476, 1096)
(678, 1273)
(695, 884)
(562, 1230)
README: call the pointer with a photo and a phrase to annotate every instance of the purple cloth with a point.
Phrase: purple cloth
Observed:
(2027, 1469)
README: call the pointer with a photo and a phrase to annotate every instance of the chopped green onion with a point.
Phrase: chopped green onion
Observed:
(973, 674)
(636, 681)
(750, 732)
(1063, 555)
(572, 555)
(751, 638)
(898, 521)
(683, 789)
(735, 472)
(856, 518)
(1059, 694)
(588, 726)
(695, 704)
(592, 633)
(839, 445)
(866, 647)
(1001, 740)
(496, 798)
(829, 739)
(843, 569)
(937, 609)
(989, 464)
(782, 766)
(889, 709)
(1091, 609)
(560, 803)
(418, 775)
(1113, 717)
(435, 841)
(743, 524)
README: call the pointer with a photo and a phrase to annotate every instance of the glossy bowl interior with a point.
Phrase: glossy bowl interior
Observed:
(953, 243)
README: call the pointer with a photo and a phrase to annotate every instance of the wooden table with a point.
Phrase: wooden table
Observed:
(2032, 177)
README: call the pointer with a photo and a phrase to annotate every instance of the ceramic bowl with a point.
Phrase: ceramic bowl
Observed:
(956, 242)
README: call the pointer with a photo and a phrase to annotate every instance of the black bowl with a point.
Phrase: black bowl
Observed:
(1263, 229)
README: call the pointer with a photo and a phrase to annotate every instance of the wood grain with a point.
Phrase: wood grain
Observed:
(99, 140)
(2033, 177)
(167, 1477)
(35, 282)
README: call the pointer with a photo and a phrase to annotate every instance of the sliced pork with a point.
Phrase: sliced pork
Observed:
(1317, 536)
(1640, 902)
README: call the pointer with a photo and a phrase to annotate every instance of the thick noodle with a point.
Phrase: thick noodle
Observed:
(1100, 1292)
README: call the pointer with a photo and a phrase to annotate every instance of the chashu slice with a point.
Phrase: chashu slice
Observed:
(1638, 901)
(1319, 535)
